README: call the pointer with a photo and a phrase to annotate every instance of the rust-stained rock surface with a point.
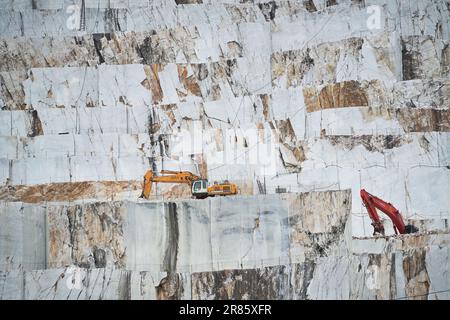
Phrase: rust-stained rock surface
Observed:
(413, 120)
(89, 235)
(344, 94)
(69, 191)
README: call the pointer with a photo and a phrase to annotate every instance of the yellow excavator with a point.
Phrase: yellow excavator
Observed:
(200, 188)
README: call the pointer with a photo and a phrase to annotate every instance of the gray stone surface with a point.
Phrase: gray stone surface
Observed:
(23, 236)
(180, 236)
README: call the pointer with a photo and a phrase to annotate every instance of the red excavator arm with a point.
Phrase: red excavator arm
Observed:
(373, 203)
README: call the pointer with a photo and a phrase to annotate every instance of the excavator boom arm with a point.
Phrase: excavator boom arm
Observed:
(372, 203)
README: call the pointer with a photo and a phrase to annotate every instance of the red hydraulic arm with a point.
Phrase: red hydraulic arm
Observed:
(372, 203)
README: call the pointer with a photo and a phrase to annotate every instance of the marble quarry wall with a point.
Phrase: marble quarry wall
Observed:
(189, 235)
(344, 94)
(290, 246)
(301, 103)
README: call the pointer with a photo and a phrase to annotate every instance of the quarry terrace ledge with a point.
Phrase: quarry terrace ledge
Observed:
(193, 235)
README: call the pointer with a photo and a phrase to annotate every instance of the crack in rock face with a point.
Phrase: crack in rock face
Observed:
(99, 257)
(302, 277)
(171, 251)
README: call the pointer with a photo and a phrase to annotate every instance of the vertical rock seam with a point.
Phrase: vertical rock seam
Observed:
(125, 285)
(171, 252)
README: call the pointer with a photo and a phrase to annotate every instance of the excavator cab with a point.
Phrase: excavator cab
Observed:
(200, 189)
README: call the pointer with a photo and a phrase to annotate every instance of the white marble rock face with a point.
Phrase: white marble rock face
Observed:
(327, 96)
(197, 249)
(181, 236)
